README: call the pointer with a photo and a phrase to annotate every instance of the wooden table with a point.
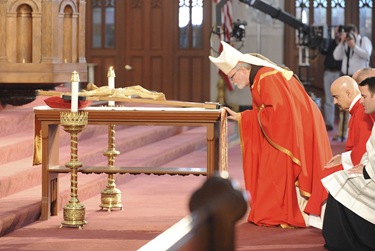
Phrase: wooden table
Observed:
(47, 121)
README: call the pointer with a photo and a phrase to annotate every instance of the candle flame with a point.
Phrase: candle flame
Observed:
(111, 72)
(75, 77)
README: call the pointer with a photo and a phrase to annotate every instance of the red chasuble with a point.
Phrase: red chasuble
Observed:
(284, 145)
(360, 125)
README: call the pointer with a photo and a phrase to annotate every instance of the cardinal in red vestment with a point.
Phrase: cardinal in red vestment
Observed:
(284, 140)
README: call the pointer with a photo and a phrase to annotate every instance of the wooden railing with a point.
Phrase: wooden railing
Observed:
(215, 209)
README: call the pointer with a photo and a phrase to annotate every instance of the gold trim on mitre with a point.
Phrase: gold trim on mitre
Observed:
(228, 58)
(247, 58)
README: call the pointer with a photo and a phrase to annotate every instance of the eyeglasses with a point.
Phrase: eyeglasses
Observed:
(231, 78)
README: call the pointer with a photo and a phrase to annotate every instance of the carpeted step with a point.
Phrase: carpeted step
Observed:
(20, 145)
(153, 154)
(16, 133)
(20, 174)
(16, 120)
(126, 139)
(160, 152)
(15, 146)
(157, 153)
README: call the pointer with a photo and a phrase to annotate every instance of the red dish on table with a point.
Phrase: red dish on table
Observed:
(57, 102)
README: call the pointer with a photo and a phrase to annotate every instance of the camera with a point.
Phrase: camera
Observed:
(342, 29)
(350, 36)
(349, 33)
(238, 30)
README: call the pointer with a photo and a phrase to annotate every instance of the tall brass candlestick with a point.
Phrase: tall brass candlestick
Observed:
(111, 82)
(74, 212)
(111, 196)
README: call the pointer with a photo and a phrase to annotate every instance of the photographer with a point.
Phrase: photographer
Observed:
(354, 51)
(332, 71)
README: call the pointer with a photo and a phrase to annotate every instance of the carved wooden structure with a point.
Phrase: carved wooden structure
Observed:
(41, 44)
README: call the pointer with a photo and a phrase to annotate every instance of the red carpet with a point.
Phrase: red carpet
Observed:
(151, 205)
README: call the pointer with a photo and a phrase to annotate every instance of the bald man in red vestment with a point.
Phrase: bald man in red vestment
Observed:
(346, 96)
(284, 140)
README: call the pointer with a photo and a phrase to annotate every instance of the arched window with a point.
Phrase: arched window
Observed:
(303, 10)
(333, 16)
(365, 17)
(320, 12)
(103, 23)
(336, 12)
(190, 19)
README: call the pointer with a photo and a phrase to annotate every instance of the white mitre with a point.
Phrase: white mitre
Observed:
(229, 58)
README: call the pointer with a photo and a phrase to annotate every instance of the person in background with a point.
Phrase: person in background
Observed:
(363, 73)
(284, 140)
(354, 51)
(332, 71)
(349, 222)
(346, 96)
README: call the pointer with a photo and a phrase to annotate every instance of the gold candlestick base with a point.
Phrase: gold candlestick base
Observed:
(111, 196)
(74, 215)
(74, 212)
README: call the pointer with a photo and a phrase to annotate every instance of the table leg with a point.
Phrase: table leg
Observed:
(213, 135)
(50, 157)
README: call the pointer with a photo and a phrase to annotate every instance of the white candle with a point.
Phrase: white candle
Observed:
(111, 82)
(74, 90)
(91, 73)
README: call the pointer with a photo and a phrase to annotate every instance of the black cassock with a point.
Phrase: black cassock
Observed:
(345, 230)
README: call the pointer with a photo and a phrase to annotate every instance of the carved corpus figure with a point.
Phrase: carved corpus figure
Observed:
(126, 92)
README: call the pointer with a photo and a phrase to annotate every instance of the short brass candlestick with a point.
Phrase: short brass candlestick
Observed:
(74, 212)
(111, 196)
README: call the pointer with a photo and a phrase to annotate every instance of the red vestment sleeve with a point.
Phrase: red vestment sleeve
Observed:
(360, 126)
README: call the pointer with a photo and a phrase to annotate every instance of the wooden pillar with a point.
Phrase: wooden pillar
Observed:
(81, 35)
(3, 18)
(50, 32)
